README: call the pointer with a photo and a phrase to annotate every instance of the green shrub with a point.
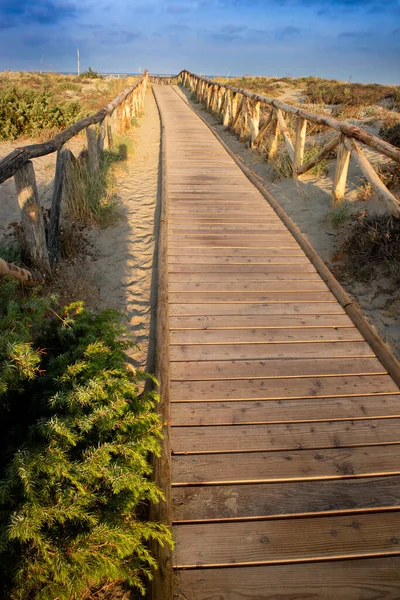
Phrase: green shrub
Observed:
(75, 439)
(90, 74)
(28, 112)
(339, 215)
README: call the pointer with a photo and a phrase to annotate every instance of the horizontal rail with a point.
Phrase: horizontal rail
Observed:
(240, 110)
(349, 130)
(11, 163)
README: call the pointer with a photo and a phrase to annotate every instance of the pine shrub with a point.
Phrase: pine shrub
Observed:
(76, 434)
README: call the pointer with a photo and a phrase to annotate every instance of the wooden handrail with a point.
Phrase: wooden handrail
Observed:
(349, 130)
(11, 163)
(238, 107)
(115, 117)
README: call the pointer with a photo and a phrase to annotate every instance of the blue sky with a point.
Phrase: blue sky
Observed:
(357, 39)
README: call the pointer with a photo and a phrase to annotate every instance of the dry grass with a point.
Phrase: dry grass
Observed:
(283, 166)
(373, 244)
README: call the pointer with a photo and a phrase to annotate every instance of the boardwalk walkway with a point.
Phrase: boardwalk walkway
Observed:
(285, 426)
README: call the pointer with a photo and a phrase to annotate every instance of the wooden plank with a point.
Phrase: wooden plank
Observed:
(244, 321)
(246, 336)
(308, 465)
(376, 578)
(220, 412)
(304, 387)
(247, 269)
(216, 229)
(244, 240)
(268, 437)
(236, 260)
(245, 369)
(282, 350)
(272, 542)
(277, 499)
(246, 297)
(237, 286)
(264, 308)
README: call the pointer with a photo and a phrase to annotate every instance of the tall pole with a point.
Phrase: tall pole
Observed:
(79, 62)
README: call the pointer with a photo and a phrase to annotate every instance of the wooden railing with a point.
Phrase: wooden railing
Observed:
(240, 110)
(113, 119)
(163, 79)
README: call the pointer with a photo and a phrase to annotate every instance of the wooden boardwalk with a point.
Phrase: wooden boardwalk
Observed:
(285, 426)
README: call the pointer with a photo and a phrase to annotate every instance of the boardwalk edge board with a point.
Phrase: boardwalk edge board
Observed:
(162, 583)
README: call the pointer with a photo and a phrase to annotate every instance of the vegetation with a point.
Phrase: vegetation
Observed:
(40, 105)
(90, 74)
(339, 215)
(391, 134)
(91, 198)
(29, 112)
(319, 91)
(325, 91)
(373, 243)
(283, 165)
(75, 438)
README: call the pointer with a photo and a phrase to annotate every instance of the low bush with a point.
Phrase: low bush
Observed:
(391, 134)
(373, 243)
(75, 438)
(29, 112)
(90, 74)
(326, 91)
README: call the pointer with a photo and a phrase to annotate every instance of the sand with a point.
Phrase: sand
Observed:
(308, 203)
(117, 270)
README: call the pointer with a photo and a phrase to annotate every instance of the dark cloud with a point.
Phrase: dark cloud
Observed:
(42, 12)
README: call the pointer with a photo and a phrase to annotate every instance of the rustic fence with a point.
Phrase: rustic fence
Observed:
(240, 110)
(113, 119)
(164, 80)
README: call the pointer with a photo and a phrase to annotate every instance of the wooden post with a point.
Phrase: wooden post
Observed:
(383, 194)
(254, 122)
(263, 130)
(321, 154)
(227, 108)
(244, 125)
(286, 135)
(219, 100)
(342, 167)
(301, 128)
(93, 150)
(272, 137)
(54, 226)
(32, 217)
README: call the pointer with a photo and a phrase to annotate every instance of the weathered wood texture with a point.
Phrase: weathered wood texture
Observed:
(285, 435)
(32, 216)
(243, 116)
(162, 583)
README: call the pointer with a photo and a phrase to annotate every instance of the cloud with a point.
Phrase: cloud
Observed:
(287, 33)
(43, 12)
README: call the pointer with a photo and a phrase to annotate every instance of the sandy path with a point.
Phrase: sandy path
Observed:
(122, 264)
